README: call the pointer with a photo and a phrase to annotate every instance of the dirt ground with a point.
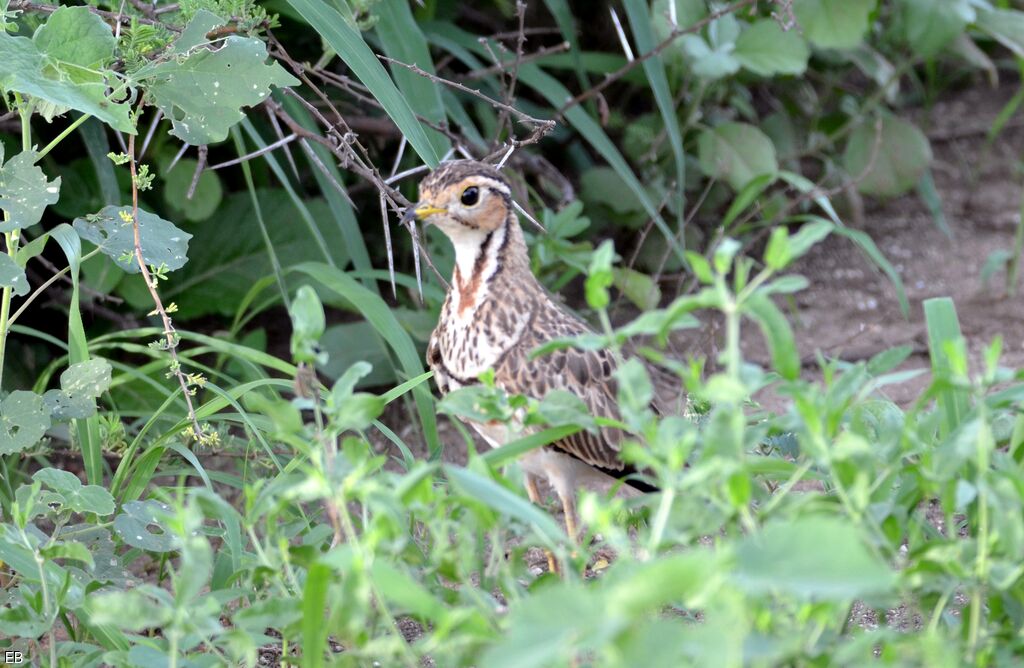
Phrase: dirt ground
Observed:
(851, 312)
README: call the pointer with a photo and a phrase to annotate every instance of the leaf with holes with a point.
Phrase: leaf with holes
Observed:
(736, 152)
(12, 276)
(77, 497)
(25, 192)
(111, 229)
(133, 526)
(80, 385)
(24, 418)
(203, 92)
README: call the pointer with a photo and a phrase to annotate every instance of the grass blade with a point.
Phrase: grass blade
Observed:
(943, 337)
(350, 46)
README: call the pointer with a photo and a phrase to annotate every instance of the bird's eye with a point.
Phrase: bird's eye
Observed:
(470, 196)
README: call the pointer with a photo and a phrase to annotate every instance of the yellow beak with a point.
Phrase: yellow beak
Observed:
(424, 211)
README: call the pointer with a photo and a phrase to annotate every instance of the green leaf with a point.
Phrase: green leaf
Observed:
(132, 525)
(24, 191)
(76, 36)
(349, 45)
(25, 68)
(560, 408)
(130, 610)
(195, 32)
(818, 558)
(600, 276)
(944, 335)
(308, 323)
(901, 155)
(834, 24)
(709, 62)
(80, 385)
(1006, 26)
(736, 152)
(765, 49)
(206, 198)
(24, 418)
(78, 497)
(13, 276)
(162, 243)
(777, 333)
(496, 497)
(203, 93)
(930, 25)
(639, 288)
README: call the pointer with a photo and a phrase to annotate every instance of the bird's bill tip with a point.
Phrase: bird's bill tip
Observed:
(420, 212)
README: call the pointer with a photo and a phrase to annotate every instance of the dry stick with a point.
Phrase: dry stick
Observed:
(527, 58)
(315, 159)
(255, 154)
(170, 335)
(661, 46)
(513, 74)
(541, 127)
(280, 135)
(118, 18)
(200, 166)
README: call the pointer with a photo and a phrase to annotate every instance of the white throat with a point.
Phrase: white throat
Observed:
(469, 244)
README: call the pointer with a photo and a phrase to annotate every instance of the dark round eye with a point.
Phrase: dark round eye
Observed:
(470, 196)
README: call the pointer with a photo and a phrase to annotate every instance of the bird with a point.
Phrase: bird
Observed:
(495, 314)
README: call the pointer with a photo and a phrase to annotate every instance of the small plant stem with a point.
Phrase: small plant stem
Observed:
(732, 340)
(170, 335)
(68, 130)
(1013, 271)
(981, 566)
(12, 238)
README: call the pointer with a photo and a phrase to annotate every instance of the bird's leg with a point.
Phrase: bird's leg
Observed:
(530, 482)
(569, 508)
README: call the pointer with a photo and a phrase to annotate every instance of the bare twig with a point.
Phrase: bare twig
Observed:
(540, 127)
(200, 166)
(513, 74)
(661, 46)
(255, 154)
(117, 18)
(527, 58)
(280, 135)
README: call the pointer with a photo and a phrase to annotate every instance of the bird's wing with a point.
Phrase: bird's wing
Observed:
(588, 374)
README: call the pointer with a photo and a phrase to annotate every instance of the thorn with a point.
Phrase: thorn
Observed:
(398, 158)
(387, 244)
(530, 218)
(622, 34)
(184, 147)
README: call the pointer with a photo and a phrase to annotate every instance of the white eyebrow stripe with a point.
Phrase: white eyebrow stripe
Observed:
(493, 183)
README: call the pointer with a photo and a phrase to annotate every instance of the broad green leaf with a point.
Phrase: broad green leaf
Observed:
(195, 32)
(111, 229)
(24, 419)
(25, 68)
(765, 49)
(890, 163)
(77, 39)
(834, 24)
(12, 276)
(817, 558)
(1006, 26)
(130, 610)
(78, 497)
(80, 384)
(348, 43)
(134, 522)
(777, 333)
(709, 62)
(203, 93)
(206, 198)
(24, 191)
(930, 25)
(639, 288)
(737, 153)
(560, 408)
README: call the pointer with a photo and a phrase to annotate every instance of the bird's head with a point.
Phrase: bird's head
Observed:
(466, 199)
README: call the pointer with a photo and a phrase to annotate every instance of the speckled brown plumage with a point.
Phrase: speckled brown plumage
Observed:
(496, 314)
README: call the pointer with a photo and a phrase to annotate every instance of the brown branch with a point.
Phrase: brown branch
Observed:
(541, 127)
(200, 166)
(113, 17)
(513, 75)
(661, 46)
(530, 57)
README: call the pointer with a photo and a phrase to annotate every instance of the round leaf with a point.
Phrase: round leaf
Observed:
(12, 276)
(25, 192)
(205, 199)
(811, 558)
(133, 524)
(765, 49)
(901, 155)
(736, 152)
(23, 421)
(834, 24)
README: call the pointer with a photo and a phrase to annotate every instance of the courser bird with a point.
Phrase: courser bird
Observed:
(496, 313)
